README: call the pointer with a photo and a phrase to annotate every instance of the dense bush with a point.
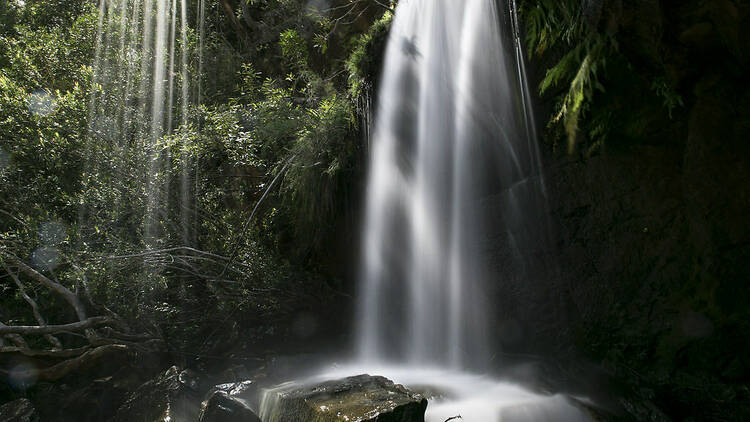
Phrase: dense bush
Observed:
(219, 219)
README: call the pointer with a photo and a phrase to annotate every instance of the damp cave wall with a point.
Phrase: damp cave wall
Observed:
(644, 262)
(647, 269)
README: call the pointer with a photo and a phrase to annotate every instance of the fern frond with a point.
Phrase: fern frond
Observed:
(565, 69)
(580, 89)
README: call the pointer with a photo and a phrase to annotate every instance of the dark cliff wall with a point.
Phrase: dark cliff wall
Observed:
(648, 272)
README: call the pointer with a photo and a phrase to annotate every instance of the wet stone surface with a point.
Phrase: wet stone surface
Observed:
(232, 402)
(356, 399)
(173, 397)
(20, 410)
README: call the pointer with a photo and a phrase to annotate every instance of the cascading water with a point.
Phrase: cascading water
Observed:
(451, 127)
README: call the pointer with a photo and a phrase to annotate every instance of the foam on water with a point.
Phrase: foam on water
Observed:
(476, 398)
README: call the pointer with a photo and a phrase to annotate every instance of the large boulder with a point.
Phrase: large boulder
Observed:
(171, 397)
(233, 402)
(360, 398)
(20, 410)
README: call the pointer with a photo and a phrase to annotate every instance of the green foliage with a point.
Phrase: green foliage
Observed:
(9, 16)
(365, 61)
(52, 13)
(323, 162)
(270, 112)
(562, 24)
(551, 21)
(671, 98)
(49, 58)
(294, 49)
(579, 44)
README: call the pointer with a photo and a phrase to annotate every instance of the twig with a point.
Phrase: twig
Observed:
(252, 214)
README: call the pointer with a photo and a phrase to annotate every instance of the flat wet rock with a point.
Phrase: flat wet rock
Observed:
(355, 399)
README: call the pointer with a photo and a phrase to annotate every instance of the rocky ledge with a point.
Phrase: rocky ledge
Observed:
(355, 399)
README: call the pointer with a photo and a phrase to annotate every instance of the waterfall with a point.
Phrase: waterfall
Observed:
(452, 126)
(145, 81)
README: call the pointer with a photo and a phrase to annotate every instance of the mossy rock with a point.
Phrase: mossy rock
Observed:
(354, 399)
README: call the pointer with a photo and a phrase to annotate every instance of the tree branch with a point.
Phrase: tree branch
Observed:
(64, 353)
(56, 287)
(229, 11)
(88, 359)
(15, 338)
(34, 307)
(53, 329)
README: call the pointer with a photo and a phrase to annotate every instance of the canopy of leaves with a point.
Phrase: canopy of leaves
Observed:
(250, 192)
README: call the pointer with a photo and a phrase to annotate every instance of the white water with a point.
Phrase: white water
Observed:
(475, 398)
(453, 125)
(451, 393)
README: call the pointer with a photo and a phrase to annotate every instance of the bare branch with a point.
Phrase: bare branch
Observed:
(54, 329)
(56, 287)
(357, 2)
(168, 250)
(34, 307)
(229, 12)
(64, 353)
(15, 338)
(109, 332)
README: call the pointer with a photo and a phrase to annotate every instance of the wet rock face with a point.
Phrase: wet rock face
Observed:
(360, 398)
(173, 397)
(233, 402)
(20, 410)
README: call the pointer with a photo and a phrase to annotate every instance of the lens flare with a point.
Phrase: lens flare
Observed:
(318, 7)
(45, 258)
(52, 233)
(22, 377)
(41, 103)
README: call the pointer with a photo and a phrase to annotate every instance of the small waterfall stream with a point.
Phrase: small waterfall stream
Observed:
(147, 70)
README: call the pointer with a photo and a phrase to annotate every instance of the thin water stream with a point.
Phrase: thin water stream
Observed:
(146, 77)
